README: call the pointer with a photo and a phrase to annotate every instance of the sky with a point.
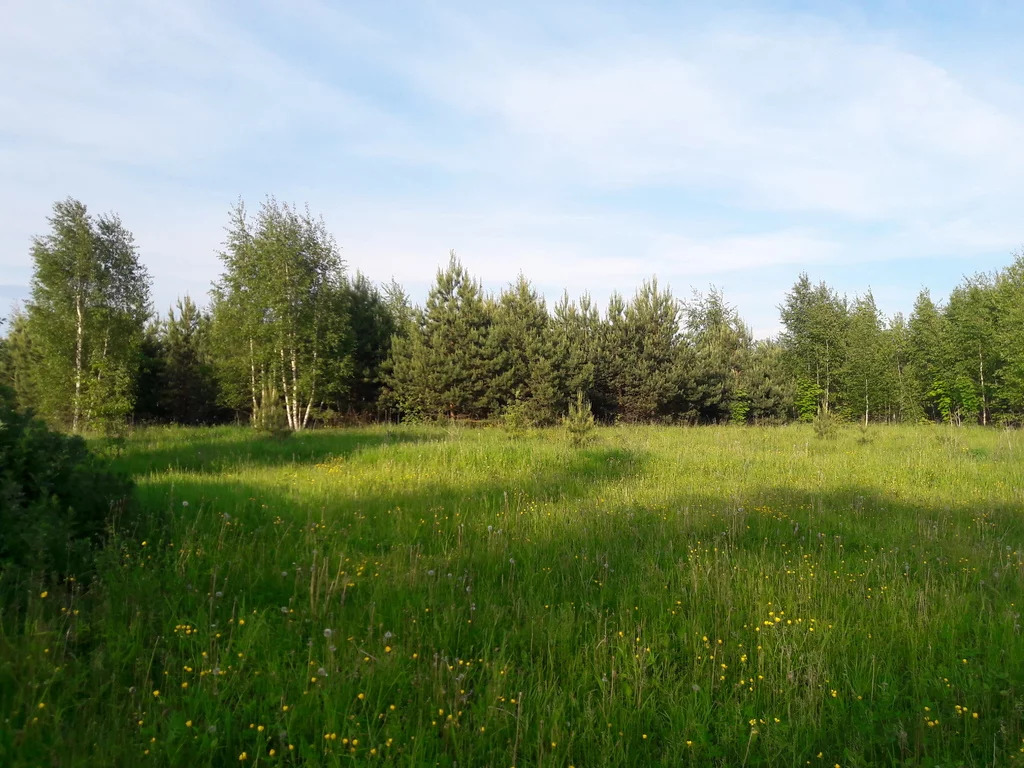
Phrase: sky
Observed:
(875, 145)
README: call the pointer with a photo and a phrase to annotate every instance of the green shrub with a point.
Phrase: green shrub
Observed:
(56, 497)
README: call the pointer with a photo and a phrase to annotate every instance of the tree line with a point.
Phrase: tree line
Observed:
(290, 340)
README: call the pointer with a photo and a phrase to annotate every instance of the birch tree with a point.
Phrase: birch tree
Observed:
(865, 370)
(815, 320)
(90, 301)
(972, 312)
(279, 321)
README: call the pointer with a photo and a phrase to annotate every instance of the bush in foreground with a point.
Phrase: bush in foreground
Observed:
(56, 497)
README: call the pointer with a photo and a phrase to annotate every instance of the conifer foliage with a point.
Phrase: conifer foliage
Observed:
(439, 365)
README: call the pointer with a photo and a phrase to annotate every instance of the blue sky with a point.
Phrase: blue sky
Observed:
(874, 145)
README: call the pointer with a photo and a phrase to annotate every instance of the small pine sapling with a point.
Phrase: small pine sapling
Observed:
(579, 423)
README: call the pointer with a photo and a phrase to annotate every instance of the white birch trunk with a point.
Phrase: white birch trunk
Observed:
(252, 374)
(79, 344)
(284, 387)
(299, 424)
(984, 404)
(312, 392)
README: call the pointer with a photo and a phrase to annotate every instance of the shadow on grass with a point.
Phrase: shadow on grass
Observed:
(214, 451)
(585, 473)
(476, 524)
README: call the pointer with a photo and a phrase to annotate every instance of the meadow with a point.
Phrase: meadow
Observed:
(421, 596)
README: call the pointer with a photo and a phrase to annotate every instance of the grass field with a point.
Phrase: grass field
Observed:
(423, 596)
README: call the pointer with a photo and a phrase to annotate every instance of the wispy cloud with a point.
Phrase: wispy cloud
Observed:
(787, 120)
(586, 147)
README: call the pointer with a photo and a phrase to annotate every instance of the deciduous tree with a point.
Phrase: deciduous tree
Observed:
(90, 301)
(814, 336)
(280, 328)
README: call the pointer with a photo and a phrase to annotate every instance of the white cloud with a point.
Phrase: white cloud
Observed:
(771, 144)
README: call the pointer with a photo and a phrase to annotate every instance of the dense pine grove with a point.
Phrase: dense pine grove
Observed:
(290, 340)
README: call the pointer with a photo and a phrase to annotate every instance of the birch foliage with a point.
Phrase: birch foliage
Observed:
(90, 301)
(279, 326)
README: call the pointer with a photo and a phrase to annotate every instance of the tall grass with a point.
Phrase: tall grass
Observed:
(423, 596)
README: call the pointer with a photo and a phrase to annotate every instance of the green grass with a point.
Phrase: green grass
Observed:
(422, 596)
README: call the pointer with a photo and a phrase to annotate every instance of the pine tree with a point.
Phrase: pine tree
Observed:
(929, 360)
(439, 368)
(720, 347)
(405, 391)
(20, 364)
(641, 348)
(575, 350)
(188, 385)
(815, 319)
(546, 403)
(149, 380)
(373, 322)
(6, 373)
(770, 390)
(611, 375)
(517, 350)
(397, 380)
